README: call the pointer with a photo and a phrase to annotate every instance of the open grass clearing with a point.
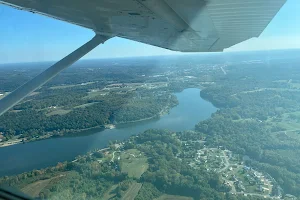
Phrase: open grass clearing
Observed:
(58, 112)
(69, 86)
(132, 191)
(295, 85)
(173, 197)
(33, 93)
(289, 125)
(288, 121)
(62, 87)
(95, 94)
(295, 135)
(281, 81)
(110, 193)
(35, 188)
(85, 105)
(291, 115)
(134, 163)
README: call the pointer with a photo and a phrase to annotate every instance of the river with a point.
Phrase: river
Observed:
(40, 154)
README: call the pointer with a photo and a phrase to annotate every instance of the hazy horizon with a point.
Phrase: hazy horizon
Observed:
(29, 37)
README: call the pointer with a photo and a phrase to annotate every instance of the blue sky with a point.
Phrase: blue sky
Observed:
(27, 37)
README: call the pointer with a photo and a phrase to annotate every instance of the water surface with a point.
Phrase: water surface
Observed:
(40, 154)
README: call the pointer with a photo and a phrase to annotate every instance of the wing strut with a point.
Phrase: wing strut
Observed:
(16, 96)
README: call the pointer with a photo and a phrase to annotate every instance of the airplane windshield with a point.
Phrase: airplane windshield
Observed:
(135, 121)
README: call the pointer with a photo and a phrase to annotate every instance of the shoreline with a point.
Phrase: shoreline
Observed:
(22, 141)
(106, 126)
(138, 120)
(10, 143)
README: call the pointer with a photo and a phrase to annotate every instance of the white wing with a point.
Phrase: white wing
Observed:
(181, 25)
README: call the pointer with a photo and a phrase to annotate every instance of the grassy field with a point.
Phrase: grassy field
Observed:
(110, 193)
(61, 111)
(281, 81)
(62, 87)
(289, 125)
(294, 135)
(94, 94)
(132, 191)
(85, 105)
(58, 112)
(288, 121)
(295, 85)
(69, 86)
(35, 188)
(134, 163)
(288, 153)
(173, 197)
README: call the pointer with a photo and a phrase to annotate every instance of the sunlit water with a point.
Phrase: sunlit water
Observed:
(35, 155)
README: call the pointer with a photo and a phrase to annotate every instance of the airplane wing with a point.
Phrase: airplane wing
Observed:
(180, 25)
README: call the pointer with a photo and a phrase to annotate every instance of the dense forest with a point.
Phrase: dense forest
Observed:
(259, 108)
(34, 121)
(83, 97)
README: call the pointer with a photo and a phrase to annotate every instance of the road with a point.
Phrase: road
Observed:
(233, 190)
(112, 160)
(226, 162)
(223, 71)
